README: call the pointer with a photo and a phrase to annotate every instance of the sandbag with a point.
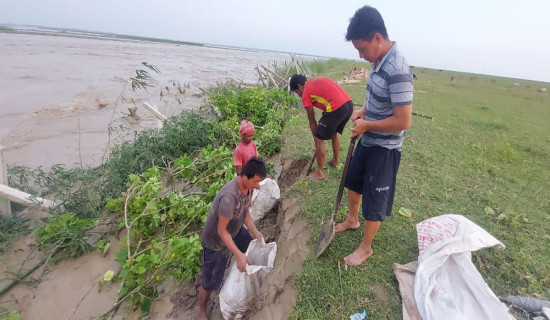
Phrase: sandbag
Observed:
(264, 199)
(240, 287)
(447, 284)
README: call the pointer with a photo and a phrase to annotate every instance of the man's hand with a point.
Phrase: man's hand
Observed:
(358, 114)
(260, 237)
(241, 262)
(359, 127)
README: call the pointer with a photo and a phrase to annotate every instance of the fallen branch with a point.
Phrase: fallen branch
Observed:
(270, 77)
(203, 90)
(153, 109)
(422, 115)
(414, 113)
(12, 282)
(81, 300)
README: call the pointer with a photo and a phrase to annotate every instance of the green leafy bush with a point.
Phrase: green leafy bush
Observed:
(161, 239)
(253, 104)
(85, 191)
(181, 135)
(225, 132)
(269, 141)
(268, 109)
(65, 235)
(12, 315)
(177, 258)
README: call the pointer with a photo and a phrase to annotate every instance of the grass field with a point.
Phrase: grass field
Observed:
(484, 154)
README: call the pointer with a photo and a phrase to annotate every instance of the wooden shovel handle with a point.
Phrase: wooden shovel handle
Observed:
(311, 163)
(343, 179)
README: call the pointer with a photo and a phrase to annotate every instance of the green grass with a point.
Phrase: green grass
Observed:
(487, 145)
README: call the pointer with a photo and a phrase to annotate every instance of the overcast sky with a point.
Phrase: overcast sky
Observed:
(506, 38)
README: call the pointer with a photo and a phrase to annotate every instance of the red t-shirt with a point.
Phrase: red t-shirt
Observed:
(243, 152)
(324, 94)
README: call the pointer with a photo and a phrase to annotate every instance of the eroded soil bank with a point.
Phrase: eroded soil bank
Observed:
(69, 289)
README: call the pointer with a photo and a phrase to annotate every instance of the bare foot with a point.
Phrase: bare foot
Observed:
(318, 175)
(346, 225)
(332, 162)
(358, 256)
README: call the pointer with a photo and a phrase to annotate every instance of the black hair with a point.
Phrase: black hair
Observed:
(296, 80)
(255, 166)
(365, 23)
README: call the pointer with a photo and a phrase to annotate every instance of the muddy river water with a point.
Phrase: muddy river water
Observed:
(60, 96)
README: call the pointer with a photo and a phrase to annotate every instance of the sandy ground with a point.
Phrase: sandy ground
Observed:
(60, 95)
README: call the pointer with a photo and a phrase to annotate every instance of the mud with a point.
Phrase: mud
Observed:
(381, 294)
(66, 290)
(293, 171)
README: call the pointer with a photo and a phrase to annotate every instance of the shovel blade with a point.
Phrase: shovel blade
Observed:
(325, 238)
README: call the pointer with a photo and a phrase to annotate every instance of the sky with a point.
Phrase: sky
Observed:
(503, 38)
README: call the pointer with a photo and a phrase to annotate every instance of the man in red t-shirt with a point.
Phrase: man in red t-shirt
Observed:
(246, 149)
(327, 95)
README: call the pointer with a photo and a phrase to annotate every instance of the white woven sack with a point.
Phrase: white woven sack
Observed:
(240, 287)
(264, 199)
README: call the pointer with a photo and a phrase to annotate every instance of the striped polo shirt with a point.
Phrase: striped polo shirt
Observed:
(390, 85)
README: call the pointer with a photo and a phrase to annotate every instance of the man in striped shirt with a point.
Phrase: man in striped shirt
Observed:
(381, 122)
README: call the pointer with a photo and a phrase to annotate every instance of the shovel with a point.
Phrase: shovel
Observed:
(310, 164)
(327, 234)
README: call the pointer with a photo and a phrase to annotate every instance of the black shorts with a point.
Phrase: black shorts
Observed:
(332, 122)
(372, 172)
(213, 263)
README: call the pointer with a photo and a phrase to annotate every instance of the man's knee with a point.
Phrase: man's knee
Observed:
(324, 135)
(354, 196)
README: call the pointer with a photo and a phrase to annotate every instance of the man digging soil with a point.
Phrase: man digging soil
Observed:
(327, 95)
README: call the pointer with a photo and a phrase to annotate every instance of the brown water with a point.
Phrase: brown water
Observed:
(58, 96)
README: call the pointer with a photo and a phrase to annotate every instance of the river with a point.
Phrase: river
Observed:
(61, 96)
